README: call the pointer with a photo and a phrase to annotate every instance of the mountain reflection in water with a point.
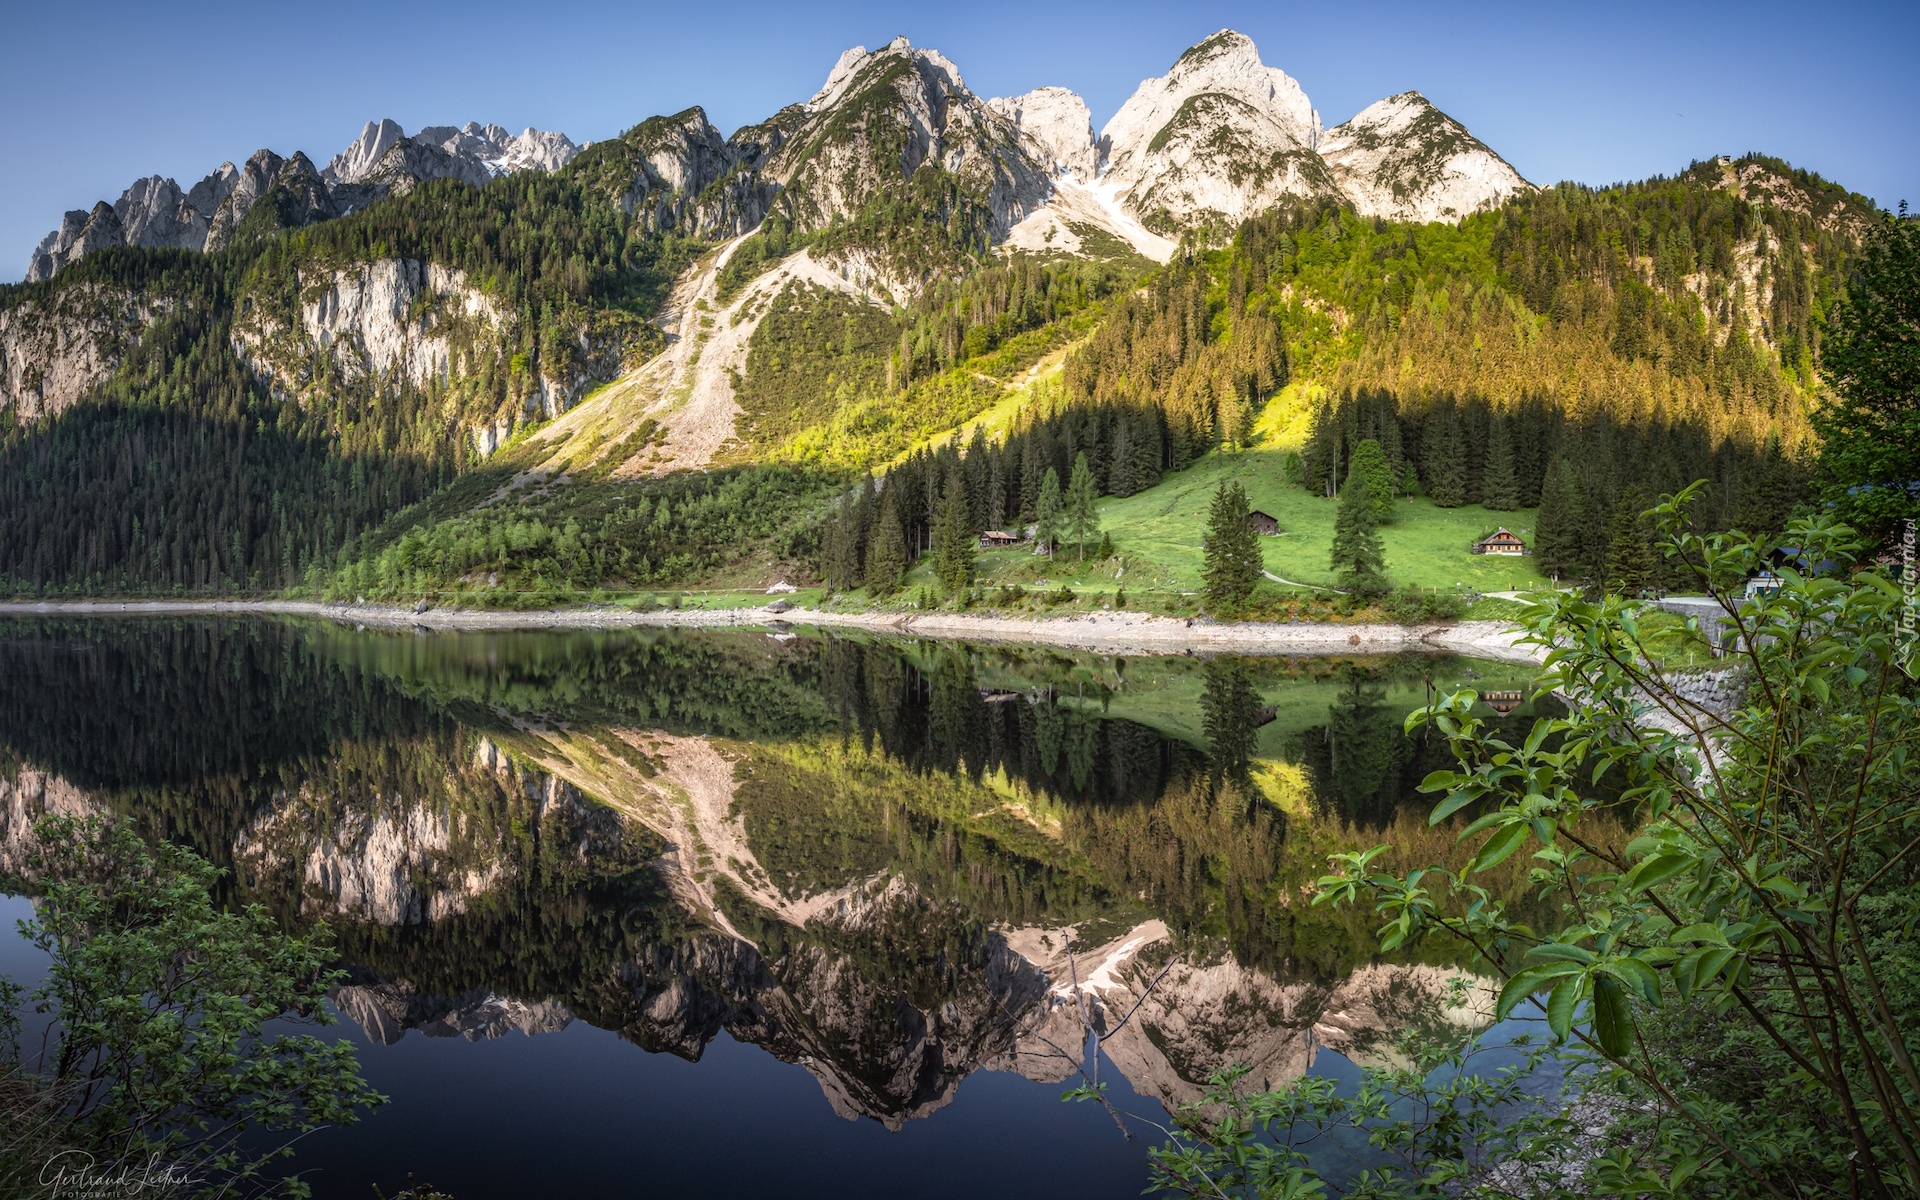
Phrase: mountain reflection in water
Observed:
(869, 858)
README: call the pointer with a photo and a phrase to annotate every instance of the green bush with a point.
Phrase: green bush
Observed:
(1411, 605)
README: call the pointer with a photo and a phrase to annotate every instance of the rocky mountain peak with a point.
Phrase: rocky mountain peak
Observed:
(1217, 138)
(1058, 124)
(358, 160)
(936, 68)
(882, 117)
(1403, 159)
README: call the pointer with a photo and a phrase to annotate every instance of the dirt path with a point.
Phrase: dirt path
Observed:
(1102, 632)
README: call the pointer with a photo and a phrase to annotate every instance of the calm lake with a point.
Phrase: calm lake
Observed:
(705, 914)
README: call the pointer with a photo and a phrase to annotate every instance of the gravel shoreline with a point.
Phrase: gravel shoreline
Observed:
(1105, 632)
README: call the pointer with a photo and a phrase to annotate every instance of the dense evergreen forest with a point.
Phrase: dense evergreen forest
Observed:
(1580, 349)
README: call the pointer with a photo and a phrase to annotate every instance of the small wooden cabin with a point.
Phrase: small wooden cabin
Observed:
(1502, 702)
(1500, 541)
(1263, 523)
(996, 539)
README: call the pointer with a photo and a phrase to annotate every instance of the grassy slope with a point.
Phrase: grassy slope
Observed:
(1426, 546)
(1157, 532)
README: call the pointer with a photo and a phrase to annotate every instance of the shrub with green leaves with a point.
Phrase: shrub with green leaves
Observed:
(162, 1003)
(1741, 973)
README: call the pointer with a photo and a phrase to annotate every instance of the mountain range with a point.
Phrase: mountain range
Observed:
(383, 160)
(1219, 137)
(868, 271)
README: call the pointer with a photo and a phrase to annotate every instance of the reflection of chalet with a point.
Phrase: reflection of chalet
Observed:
(996, 539)
(1263, 523)
(1502, 702)
(1500, 541)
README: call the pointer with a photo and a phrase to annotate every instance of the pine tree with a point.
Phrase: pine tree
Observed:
(1446, 459)
(1500, 484)
(1359, 561)
(1369, 465)
(1560, 531)
(1082, 515)
(953, 540)
(886, 551)
(1048, 514)
(1231, 550)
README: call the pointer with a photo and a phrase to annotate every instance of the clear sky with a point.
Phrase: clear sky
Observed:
(97, 97)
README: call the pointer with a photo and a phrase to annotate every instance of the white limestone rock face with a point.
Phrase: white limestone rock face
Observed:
(388, 320)
(57, 348)
(1220, 137)
(388, 1009)
(1405, 160)
(1059, 126)
(883, 115)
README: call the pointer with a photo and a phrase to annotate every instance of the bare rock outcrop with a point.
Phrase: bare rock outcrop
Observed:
(58, 346)
(1059, 126)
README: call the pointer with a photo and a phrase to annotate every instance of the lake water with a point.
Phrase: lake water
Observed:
(704, 914)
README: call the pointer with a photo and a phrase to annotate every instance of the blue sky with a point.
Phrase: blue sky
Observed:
(1563, 91)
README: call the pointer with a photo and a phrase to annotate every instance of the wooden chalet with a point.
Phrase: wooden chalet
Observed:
(1503, 702)
(1264, 524)
(997, 539)
(1500, 541)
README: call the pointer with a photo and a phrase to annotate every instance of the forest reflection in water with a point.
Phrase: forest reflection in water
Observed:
(866, 857)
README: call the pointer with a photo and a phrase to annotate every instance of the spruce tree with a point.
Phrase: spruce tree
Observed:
(1445, 444)
(1047, 514)
(1370, 467)
(953, 540)
(1630, 564)
(1320, 458)
(1030, 467)
(886, 551)
(1120, 472)
(1500, 484)
(1560, 531)
(1359, 561)
(1231, 550)
(1082, 515)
